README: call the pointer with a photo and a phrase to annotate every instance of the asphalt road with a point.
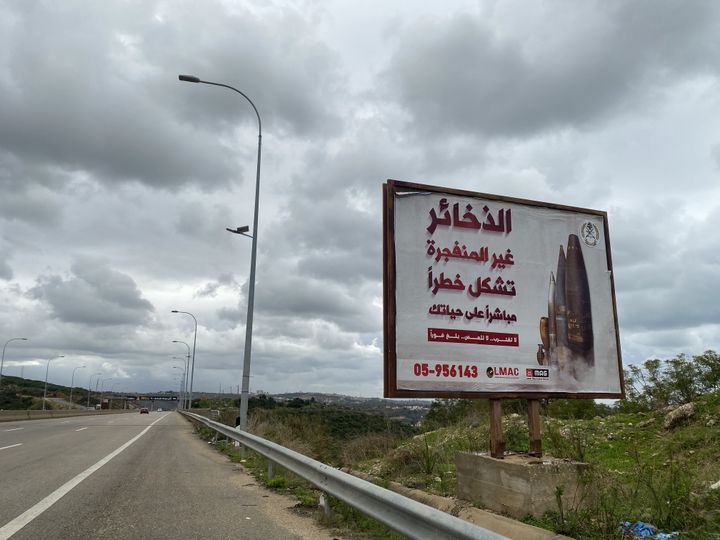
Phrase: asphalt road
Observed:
(131, 475)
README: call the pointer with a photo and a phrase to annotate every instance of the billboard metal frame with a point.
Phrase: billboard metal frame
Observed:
(393, 187)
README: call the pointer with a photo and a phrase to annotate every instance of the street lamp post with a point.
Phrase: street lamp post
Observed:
(2, 361)
(192, 368)
(187, 368)
(181, 394)
(47, 369)
(253, 258)
(182, 381)
(101, 389)
(72, 381)
(112, 387)
(183, 384)
(89, 383)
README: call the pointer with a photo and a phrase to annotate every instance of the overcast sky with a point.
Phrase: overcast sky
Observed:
(117, 181)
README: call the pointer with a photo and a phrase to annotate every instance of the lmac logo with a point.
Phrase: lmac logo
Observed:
(503, 372)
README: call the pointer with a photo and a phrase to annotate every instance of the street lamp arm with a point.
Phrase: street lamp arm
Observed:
(14, 339)
(193, 79)
(72, 381)
(47, 369)
(2, 360)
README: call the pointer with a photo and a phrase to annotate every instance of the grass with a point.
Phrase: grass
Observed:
(353, 524)
(641, 471)
(638, 470)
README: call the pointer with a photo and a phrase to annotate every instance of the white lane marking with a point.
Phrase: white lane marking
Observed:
(81, 428)
(65, 422)
(15, 429)
(11, 446)
(11, 527)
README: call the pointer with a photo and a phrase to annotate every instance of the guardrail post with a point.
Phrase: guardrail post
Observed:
(324, 504)
(270, 470)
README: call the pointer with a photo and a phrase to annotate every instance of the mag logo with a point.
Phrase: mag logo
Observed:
(537, 373)
(503, 372)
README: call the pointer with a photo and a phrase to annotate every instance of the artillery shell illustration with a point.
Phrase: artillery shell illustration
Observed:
(567, 332)
(577, 299)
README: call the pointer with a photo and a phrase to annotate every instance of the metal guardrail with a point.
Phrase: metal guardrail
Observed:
(402, 514)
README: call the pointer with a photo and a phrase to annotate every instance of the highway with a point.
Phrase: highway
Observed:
(133, 475)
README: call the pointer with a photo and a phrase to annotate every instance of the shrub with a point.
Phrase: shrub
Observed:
(277, 482)
(569, 441)
(368, 446)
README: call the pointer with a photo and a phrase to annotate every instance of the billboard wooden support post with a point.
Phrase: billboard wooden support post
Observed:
(497, 442)
(534, 427)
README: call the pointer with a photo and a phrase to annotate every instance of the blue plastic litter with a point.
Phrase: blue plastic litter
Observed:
(640, 529)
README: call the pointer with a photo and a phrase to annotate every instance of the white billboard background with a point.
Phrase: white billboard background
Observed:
(493, 354)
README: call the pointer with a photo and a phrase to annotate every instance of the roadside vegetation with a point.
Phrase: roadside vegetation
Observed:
(27, 394)
(17, 393)
(315, 430)
(654, 457)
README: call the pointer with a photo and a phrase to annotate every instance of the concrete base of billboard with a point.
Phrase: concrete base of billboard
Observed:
(519, 484)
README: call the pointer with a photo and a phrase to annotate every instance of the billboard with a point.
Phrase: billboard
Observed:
(489, 296)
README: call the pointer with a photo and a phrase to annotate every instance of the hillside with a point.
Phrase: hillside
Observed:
(640, 469)
(20, 394)
(654, 457)
(406, 410)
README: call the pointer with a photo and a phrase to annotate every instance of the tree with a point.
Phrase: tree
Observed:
(574, 408)
(658, 383)
(709, 363)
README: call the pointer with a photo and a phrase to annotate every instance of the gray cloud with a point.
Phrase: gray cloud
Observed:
(95, 295)
(211, 288)
(716, 155)
(348, 267)
(6, 272)
(103, 101)
(665, 278)
(27, 192)
(462, 73)
(606, 105)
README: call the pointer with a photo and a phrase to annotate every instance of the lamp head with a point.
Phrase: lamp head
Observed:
(174, 311)
(189, 78)
(239, 230)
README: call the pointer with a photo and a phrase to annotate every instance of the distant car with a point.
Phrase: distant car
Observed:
(159, 410)
(144, 410)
